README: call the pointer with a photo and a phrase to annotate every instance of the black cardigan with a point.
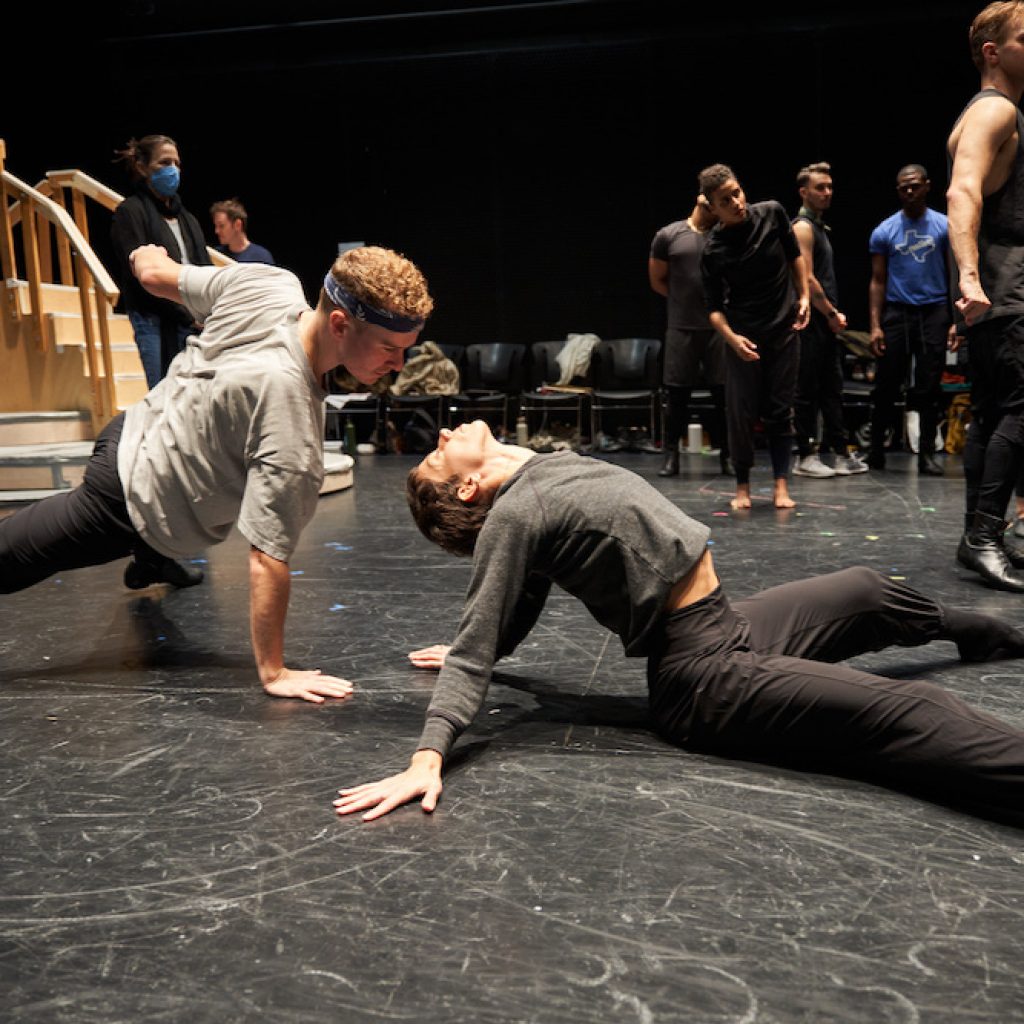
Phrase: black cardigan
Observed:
(142, 220)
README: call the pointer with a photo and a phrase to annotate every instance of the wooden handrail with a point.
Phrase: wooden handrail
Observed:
(79, 181)
(59, 217)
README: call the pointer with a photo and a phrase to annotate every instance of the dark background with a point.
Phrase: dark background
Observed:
(523, 154)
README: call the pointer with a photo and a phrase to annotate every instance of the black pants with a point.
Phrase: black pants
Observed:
(86, 526)
(820, 389)
(994, 453)
(762, 389)
(921, 332)
(755, 681)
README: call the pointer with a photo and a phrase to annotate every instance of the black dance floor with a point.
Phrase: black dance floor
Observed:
(170, 852)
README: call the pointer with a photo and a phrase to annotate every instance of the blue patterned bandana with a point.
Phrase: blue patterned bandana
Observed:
(369, 314)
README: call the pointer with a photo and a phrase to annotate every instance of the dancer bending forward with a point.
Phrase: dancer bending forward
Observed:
(756, 680)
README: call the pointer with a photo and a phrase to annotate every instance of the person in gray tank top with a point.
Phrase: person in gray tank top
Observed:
(755, 679)
(986, 232)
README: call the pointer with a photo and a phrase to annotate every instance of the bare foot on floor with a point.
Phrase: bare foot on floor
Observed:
(742, 499)
(782, 498)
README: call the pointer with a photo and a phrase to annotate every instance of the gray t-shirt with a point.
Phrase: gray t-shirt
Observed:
(234, 432)
(678, 245)
(597, 530)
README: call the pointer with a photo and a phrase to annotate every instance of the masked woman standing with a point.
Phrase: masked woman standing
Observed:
(154, 215)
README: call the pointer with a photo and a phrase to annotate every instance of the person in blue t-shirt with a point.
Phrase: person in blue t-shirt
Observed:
(230, 222)
(909, 306)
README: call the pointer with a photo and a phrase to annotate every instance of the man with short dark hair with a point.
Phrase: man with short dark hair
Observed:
(231, 224)
(910, 316)
(755, 285)
(819, 386)
(986, 228)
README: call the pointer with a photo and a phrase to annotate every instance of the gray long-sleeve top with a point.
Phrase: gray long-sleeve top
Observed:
(600, 532)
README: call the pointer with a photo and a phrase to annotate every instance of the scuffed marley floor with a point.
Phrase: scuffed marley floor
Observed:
(170, 854)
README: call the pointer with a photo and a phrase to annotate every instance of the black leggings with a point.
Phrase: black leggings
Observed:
(994, 454)
(820, 388)
(755, 681)
(918, 331)
(86, 526)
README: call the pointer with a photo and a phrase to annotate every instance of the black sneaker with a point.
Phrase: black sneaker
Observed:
(138, 574)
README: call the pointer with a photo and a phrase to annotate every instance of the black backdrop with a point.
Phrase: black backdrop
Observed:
(523, 154)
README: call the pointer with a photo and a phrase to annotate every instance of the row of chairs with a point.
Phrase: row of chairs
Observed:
(502, 380)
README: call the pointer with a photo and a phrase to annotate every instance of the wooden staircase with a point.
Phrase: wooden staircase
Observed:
(68, 363)
(59, 377)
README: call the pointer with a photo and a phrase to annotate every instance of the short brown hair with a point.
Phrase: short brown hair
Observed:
(442, 516)
(991, 26)
(803, 176)
(381, 278)
(233, 210)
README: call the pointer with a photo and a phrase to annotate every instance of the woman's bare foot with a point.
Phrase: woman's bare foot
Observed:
(782, 498)
(742, 499)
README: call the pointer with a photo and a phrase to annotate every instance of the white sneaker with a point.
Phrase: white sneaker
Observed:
(811, 465)
(847, 465)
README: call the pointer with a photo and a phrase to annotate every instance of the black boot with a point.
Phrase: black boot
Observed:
(928, 465)
(143, 572)
(981, 637)
(981, 550)
(671, 466)
(876, 458)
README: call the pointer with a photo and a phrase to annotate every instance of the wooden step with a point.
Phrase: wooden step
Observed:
(18, 428)
(124, 357)
(129, 388)
(57, 298)
(66, 329)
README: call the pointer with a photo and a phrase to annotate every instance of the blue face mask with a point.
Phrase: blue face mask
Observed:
(165, 181)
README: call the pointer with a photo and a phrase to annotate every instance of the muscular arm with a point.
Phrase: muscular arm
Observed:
(657, 273)
(876, 299)
(269, 591)
(156, 271)
(985, 129)
(805, 239)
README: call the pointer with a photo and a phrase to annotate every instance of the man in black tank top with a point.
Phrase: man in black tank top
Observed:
(819, 386)
(986, 232)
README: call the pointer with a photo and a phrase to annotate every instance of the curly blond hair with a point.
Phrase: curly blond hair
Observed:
(381, 278)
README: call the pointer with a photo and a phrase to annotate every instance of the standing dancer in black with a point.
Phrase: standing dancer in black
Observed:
(986, 232)
(755, 281)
